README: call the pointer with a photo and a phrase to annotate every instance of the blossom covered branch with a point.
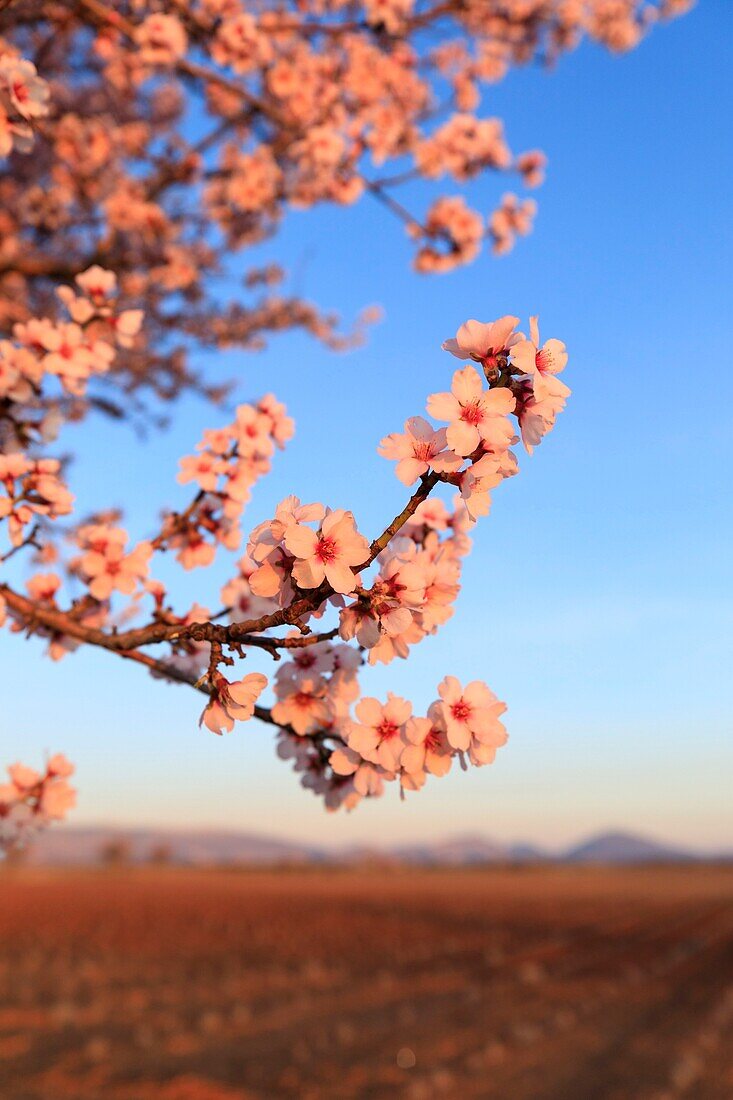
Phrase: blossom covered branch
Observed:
(309, 562)
(144, 147)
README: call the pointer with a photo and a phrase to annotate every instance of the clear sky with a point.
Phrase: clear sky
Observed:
(598, 599)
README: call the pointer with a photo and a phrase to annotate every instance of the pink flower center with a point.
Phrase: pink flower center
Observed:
(305, 660)
(432, 741)
(461, 710)
(21, 92)
(543, 361)
(386, 730)
(303, 700)
(326, 549)
(472, 413)
(422, 450)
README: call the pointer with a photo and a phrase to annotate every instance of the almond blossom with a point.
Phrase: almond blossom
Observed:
(329, 554)
(379, 734)
(127, 263)
(368, 777)
(475, 415)
(33, 799)
(303, 704)
(484, 341)
(415, 450)
(471, 718)
(542, 364)
(427, 749)
(232, 702)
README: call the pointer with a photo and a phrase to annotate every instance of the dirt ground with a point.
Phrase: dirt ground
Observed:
(541, 983)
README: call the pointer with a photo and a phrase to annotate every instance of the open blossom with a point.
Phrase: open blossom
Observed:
(237, 595)
(344, 747)
(232, 702)
(21, 88)
(427, 749)
(240, 43)
(537, 418)
(205, 469)
(328, 554)
(32, 799)
(476, 415)
(266, 548)
(484, 341)
(379, 734)
(542, 364)
(415, 450)
(106, 567)
(281, 426)
(162, 39)
(471, 718)
(32, 488)
(303, 704)
(368, 778)
(512, 218)
(482, 476)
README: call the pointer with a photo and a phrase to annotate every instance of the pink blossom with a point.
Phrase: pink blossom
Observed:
(111, 569)
(471, 718)
(379, 735)
(427, 748)
(484, 341)
(59, 765)
(205, 469)
(483, 475)
(328, 554)
(22, 88)
(162, 39)
(24, 777)
(415, 450)
(368, 777)
(232, 702)
(541, 364)
(57, 799)
(475, 415)
(302, 704)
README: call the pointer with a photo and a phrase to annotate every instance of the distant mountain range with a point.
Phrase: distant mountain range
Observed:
(65, 846)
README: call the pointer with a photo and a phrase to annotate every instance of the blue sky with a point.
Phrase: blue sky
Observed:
(597, 601)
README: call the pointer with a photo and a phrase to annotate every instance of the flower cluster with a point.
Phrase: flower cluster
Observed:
(385, 742)
(31, 799)
(23, 98)
(309, 561)
(232, 702)
(72, 351)
(228, 462)
(30, 488)
(106, 566)
(128, 209)
(292, 556)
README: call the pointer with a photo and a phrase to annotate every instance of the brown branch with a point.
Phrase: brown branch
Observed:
(29, 540)
(189, 68)
(239, 633)
(180, 676)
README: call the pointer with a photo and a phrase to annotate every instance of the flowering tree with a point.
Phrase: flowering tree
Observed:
(146, 145)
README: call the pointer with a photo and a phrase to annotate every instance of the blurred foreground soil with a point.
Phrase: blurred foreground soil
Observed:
(519, 984)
